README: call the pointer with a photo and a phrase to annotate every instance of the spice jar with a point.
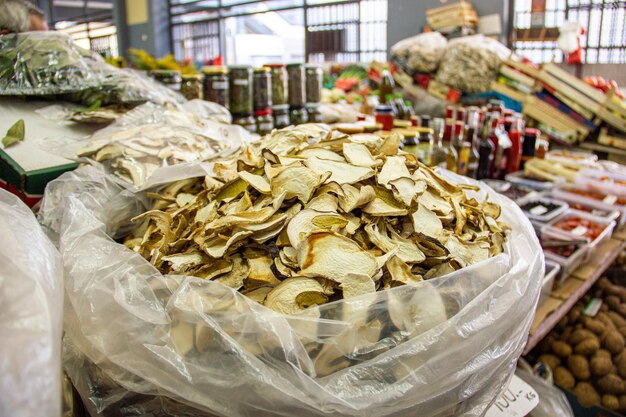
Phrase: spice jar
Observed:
(314, 78)
(298, 115)
(170, 78)
(262, 89)
(240, 84)
(279, 83)
(384, 116)
(191, 87)
(215, 85)
(264, 121)
(281, 116)
(313, 111)
(247, 122)
(296, 85)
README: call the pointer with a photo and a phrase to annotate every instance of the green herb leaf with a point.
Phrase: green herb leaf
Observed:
(94, 106)
(14, 134)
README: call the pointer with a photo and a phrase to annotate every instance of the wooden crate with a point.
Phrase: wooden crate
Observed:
(454, 15)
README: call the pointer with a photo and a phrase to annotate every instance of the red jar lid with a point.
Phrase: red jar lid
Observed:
(274, 65)
(265, 112)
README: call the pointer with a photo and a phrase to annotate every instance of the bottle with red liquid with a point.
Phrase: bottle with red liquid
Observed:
(514, 154)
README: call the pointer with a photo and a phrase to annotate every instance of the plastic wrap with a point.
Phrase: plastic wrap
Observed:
(144, 144)
(51, 64)
(552, 401)
(205, 345)
(31, 295)
(421, 53)
(471, 63)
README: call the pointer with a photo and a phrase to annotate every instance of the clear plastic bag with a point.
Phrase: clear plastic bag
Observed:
(552, 401)
(444, 347)
(471, 63)
(31, 295)
(51, 64)
(422, 52)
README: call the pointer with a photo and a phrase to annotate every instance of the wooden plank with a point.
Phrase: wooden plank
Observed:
(603, 148)
(547, 317)
(566, 288)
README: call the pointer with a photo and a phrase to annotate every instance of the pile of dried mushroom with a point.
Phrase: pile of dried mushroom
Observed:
(308, 215)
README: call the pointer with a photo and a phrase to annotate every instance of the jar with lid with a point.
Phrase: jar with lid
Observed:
(262, 89)
(296, 84)
(425, 143)
(281, 115)
(191, 86)
(298, 115)
(314, 113)
(215, 85)
(170, 78)
(314, 78)
(247, 122)
(279, 83)
(240, 84)
(264, 121)
(384, 116)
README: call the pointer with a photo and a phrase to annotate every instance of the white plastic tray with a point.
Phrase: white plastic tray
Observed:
(591, 179)
(569, 264)
(596, 208)
(552, 271)
(544, 218)
(519, 178)
(561, 193)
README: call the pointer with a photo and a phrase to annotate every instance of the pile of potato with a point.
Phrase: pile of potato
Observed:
(586, 354)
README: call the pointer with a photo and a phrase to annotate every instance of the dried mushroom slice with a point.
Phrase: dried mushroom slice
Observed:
(321, 153)
(358, 154)
(324, 202)
(401, 272)
(213, 269)
(333, 257)
(388, 240)
(258, 294)
(260, 270)
(296, 181)
(355, 285)
(341, 172)
(426, 221)
(393, 169)
(285, 296)
(217, 246)
(468, 252)
(308, 221)
(257, 182)
(238, 273)
(418, 310)
(406, 190)
(385, 204)
(184, 261)
(353, 197)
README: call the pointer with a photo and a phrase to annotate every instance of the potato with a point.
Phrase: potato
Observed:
(552, 361)
(622, 331)
(617, 319)
(587, 347)
(612, 290)
(604, 308)
(603, 283)
(612, 301)
(566, 333)
(612, 341)
(579, 366)
(621, 310)
(622, 294)
(587, 394)
(620, 364)
(580, 335)
(596, 326)
(603, 353)
(604, 318)
(546, 344)
(562, 323)
(610, 384)
(600, 366)
(610, 401)
(561, 349)
(563, 378)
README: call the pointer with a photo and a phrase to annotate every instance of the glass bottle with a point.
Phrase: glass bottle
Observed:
(410, 112)
(471, 136)
(485, 150)
(386, 85)
(452, 157)
(392, 104)
(399, 102)
(439, 153)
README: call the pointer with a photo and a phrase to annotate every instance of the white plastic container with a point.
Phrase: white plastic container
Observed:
(540, 212)
(569, 264)
(575, 157)
(605, 235)
(593, 207)
(552, 271)
(561, 193)
(591, 179)
(521, 179)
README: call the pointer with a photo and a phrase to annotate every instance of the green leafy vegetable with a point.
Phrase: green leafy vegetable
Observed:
(93, 107)
(14, 134)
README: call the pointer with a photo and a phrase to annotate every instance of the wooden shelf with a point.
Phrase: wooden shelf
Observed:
(569, 291)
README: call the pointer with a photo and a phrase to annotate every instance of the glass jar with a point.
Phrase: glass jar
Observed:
(313, 111)
(314, 79)
(296, 89)
(264, 121)
(191, 86)
(281, 116)
(215, 85)
(247, 122)
(262, 89)
(279, 83)
(240, 84)
(298, 115)
(170, 78)
(384, 116)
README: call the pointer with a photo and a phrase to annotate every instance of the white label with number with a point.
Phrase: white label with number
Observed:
(240, 81)
(580, 230)
(220, 85)
(538, 210)
(518, 400)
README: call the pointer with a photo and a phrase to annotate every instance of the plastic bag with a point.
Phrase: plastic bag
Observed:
(552, 401)
(144, 144)
(51, 64)
(207, 110)
(444, 347)
(471, 63)
(31, 295)
(421, 53)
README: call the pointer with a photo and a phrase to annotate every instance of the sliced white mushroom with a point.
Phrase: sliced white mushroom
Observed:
(308, 220)
(184, 261)
(358, 154)
(238, 273)
(416, 311)
(355, 285)
(341, 172)
(385, 204)
(257, 182)
(394, 168)
(284, 297)
(217, 246)
(297, 181)
(353, 197)
(426, 221)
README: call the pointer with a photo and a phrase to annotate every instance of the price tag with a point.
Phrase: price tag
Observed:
(592, 307)
(580, 230)
(221, 85)
(240, 81)
(538, 210)
(518, 400)
(610, 199)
